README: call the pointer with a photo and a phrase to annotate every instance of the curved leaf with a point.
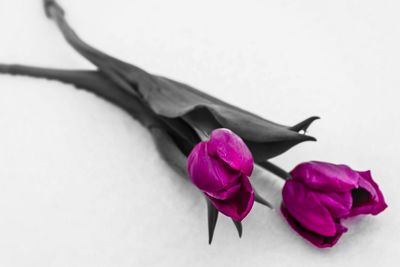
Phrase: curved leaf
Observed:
(173, 99)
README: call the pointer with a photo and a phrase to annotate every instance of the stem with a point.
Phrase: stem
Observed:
(127, 76)
(275, 169)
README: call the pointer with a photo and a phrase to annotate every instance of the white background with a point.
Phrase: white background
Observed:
(81, 183)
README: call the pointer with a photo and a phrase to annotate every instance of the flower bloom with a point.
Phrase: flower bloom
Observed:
(220, 167)
(320, 194)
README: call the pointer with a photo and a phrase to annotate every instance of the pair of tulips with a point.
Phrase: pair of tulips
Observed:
(315, 199)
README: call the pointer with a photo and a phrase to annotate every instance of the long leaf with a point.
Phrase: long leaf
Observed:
(98, 83)
(173, 99)
(92, 81)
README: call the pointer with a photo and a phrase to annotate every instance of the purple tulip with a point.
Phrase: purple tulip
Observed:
(320, 194)
(220, 167)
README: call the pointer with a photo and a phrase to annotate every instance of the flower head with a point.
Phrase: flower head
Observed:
(321, 194)
(221, 167)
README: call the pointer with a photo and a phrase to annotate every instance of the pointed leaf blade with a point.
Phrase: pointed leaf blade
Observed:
(261, 200)
(174, 99)
(239, 227)
(303, 126)
(212, 220)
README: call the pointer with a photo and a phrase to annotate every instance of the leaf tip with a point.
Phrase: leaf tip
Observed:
(303, 125)
(212, 220)
(239, 227)
(261, 200)
(311, 138)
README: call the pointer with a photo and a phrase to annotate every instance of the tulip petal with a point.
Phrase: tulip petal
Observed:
(225, 193)
(305, 207)
(239, 205)
(230, 148)
(326, 176)
(207, 173)
(367, 198)
(338, 203)
(316, 239)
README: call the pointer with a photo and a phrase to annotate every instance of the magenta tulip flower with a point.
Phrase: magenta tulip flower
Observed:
(220, 167)
(320, 195)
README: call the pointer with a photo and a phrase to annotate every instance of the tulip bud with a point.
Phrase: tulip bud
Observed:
(220, 167)
(321, 194)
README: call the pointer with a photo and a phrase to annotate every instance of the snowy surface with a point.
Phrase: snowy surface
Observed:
(81, 183)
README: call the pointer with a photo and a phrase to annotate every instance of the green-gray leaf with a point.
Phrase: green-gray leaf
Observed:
(261, 200)
(173, 99)
(239, 227)
(212, 219)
